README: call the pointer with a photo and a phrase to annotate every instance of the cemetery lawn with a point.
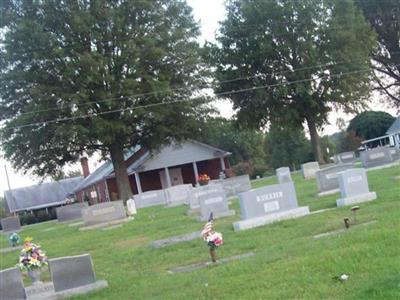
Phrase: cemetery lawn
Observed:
(288, 263)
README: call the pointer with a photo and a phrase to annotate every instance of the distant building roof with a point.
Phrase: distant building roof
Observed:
(41, 195)
(171, 155)
(395, 127)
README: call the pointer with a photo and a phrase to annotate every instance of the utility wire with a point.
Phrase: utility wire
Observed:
(130, 97)
(338, 75)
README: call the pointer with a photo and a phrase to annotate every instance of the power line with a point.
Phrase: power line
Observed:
(130, 97)
(338, 75)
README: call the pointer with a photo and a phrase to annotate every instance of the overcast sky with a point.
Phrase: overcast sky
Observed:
(208, 13)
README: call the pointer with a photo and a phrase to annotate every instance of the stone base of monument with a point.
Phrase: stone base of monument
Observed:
(327, 193)
(219, 215)
(106, 224)
(396, 163)
(271, 218)
(46, 290)
(75, 224)
(202, 265)
(10, 249)
(356, 199)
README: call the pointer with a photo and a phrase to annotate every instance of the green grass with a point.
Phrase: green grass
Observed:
(289, 263)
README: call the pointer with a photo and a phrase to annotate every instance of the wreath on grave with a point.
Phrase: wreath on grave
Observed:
(203, 179)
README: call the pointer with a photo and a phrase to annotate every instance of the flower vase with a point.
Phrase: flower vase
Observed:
(34, 275)
(213, 254)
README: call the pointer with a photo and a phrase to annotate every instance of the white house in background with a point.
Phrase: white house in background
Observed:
(391, 139)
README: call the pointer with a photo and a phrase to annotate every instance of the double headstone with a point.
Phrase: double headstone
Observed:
(345, 158)
(354, 187)
(268, 204)
(376, 157)
(70, 212)
(178, 195)
(150, 198)
(327, 179)
(212, 199)
(309, 169)
(283, 175)
(11, 285)
(234, 185)
(73, 273)
(104, 213)
(11, 224)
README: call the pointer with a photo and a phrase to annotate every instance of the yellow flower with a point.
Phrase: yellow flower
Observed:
(28, 239)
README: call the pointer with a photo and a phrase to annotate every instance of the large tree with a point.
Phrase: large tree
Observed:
(85, 76)
(370, 124)
(292, 62)
(384, 17)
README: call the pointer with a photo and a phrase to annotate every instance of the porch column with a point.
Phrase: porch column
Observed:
(196, 172)
(223, 167)
(168, 177)
(108, 196)
(138, 184)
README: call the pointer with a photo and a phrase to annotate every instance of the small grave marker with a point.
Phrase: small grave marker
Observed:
(213, 200)
(327, 179)
(70, 212)
(345, 158)
(309, 169)
(375, 157)
(283, 175)
(103, 214)
(150, 198)
(354, 187)
(178, 194)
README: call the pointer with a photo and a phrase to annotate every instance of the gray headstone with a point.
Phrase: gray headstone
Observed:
(70, 212)
(327, 179)
(103, 213)
(376, 157)
(268, 199)
(268, 204)
(395, 153)
(283, 175)
(309, 169)
(150, 198)
(213, 199)
(234, 185)
(354, 187)
(11, 286)
(11, 224)
(71, 272)
(345, 158)
(178, 194)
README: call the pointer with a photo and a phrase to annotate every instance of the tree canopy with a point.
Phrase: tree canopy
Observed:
(84, 76)
(292, 62)
(384, 17)
(370, 124)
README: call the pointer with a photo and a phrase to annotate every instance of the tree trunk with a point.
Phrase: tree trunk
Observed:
(121, 174)
(316, 146)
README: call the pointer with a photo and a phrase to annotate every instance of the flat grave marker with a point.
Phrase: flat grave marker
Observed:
(70, 212)
(268, 204)
(10, 224)
(213, 200)
(354, 187)
(11, 285)
(283, 175)
(176, 239)
(309, 169)
(327, 179)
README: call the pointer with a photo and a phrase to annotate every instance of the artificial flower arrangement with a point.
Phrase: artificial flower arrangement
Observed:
(212, 238)
(31, 256)
(203, 179)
